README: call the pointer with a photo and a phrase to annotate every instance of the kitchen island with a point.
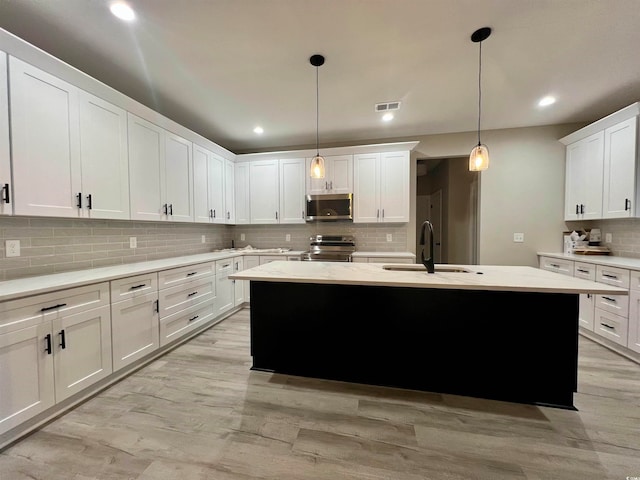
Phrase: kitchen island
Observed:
(497, 332)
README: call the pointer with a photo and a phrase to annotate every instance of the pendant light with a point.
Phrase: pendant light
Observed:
(317, 162)
(479, 158)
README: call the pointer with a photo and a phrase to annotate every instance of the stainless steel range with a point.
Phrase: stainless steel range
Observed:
(330, 248)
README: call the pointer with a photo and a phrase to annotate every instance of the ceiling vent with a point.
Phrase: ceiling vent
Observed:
(386, 107)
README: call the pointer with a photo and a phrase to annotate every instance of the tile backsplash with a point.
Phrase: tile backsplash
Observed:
(625, 234)
(52, 245)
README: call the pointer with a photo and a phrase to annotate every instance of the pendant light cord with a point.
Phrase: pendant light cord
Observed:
(317, 114)
(479, 90)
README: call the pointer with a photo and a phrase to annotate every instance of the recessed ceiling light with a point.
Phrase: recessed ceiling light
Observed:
(258, 130)
(123, 11)
(387, 117)
(546, 101)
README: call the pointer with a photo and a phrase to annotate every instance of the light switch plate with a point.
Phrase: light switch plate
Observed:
(287, 238)
(518, 237)
(133, 242)
(12, 248)
(204, 239)
(608, 238)
(242, 237)
(389, 237)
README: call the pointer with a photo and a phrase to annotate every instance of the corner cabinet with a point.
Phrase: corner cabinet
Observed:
(5, 158)
(601, 168)
(381, 187)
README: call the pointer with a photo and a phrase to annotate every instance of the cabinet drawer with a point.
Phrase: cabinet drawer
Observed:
(390, 260)
(634, 280)
(181, 323)
(558, 265)
(180, 297)
(224, 267)
(618, 277)
(271, 258)
(176, 276)
(611, 326)
(617, 304)
(584, 270)
(133, 287)
(25, 312)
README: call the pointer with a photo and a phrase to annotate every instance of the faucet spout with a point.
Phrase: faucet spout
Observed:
(427, 262)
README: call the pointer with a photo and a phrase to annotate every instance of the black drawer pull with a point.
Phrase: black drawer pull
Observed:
(627, 204)
(607, 326)
(63, 343)
(192, 294)
(47, 339)
(138, 286)
(554, 265)
(615, 277)
(190, 274)
(157, 304)
(610, 299)
(45, 309)
(5, 194)
(89, 202)
(79, 197)
(582, 271)
(165, 209)
(171, 209)
(193, 318)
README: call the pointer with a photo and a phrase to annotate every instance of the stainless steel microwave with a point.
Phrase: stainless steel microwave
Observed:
(330, 207)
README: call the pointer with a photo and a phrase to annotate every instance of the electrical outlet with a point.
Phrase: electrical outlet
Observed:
(287, 238)
(518, 237)
(203, 239)
(608, 238)
(389, 237)
(242, 237)
(133, 242)
(12, 248)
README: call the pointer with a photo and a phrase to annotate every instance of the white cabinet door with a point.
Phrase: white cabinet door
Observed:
(633, 340)
(583, 180)
(225, 289)
(366, 188)
(338, 176)
(264, 196)
(26, 374)
(135, 329)
(229, 192)
(82, 350)
(242, 193)
(5, 159)
(394, 187)
(239, 285)
(620, 170)
(178, 178)
(586, 315)
(104, 158)
(292, 188)
(201, 211)
(146, 169)
(249, 262)
(217, 181)
(45, 142)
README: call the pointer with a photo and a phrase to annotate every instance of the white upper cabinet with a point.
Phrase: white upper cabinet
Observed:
(338, 176)
(208, 186)
(381, 187)
(292, 188)
(242, 194)
(45, 143)
(583, 179)
(104, 158)
(229, 191)
(264, 195)
(160, 173)
(620, 171)
(5, 159)
(146, 169)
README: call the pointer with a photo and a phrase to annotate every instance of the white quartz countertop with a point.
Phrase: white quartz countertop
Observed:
(607, 260)
(479, 277)
(384, 254)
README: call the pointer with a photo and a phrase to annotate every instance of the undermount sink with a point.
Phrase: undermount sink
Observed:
(417, 267)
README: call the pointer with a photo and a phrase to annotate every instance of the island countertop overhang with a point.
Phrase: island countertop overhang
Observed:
(477, 277)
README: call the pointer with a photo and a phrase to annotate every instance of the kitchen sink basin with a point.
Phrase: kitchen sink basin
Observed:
(418, 267)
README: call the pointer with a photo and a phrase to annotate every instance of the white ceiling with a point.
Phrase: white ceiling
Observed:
(221, 67)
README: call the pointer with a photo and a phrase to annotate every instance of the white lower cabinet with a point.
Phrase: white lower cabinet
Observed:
(611, 326)
(587, 300)
(633, 337)
(52, 346)
(249, 262)
(239, 286)
(180, 323)
(225, 290)
(135, 329)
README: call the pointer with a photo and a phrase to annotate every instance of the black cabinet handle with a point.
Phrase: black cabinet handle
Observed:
(228, 215)
(610, 299)
(5, 193)
(47, 339)
(164, 209)
(615, 277)
(191, 274)
(157, 303)
(627, 204)
(211, 213)
(79, 197)
(138, 286)
(607, 326)
(44, 309)
(581, 208)
(582, 271)
(193, 318)
(171, 209)
(89, 202)
(63, 343)
(192, 294)
(577, 209)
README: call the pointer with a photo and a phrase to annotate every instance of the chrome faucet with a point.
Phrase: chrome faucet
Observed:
(428, 263)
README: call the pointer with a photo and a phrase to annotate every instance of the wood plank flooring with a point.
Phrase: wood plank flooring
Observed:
(199, 413)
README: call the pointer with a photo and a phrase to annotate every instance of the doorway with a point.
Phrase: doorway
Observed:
(447, 195)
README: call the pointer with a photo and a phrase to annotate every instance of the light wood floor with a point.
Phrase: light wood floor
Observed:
(200, 413)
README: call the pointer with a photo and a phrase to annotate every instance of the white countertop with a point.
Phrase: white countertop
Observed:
(608, 260)
(384, 254)
(496, 278)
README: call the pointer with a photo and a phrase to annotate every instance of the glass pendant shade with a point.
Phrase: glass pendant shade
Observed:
(479, 158)
(317, 167)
